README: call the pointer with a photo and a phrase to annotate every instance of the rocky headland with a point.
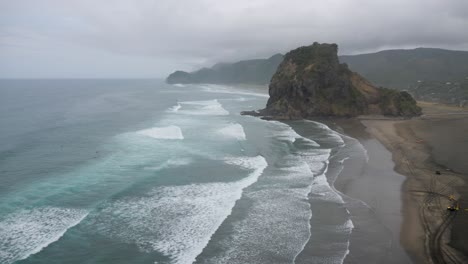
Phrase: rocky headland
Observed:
(311, 82)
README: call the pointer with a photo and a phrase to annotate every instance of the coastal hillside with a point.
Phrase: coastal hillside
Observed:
(433, 75)
(311, 82)
(257, 71)
(401, 69)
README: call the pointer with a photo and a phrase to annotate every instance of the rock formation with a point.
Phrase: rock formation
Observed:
(310, 82)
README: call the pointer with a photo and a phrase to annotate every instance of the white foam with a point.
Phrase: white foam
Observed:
(171, 163)
(357, 143)
(27, 232)
(273, 204)
(209, 107)
(233, 131)
(179, 85)
(174, 108)
(168, 132)
(315, 156)
(285, 132)
(332, 135)
(231, 90)
(178, 221)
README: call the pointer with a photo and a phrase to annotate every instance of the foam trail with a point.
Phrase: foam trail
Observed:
(179, 85)
(169, 132)
(233, 131)
(285, 132)
(231, 90)
(174, 108)
(199, 209)
(209, 107)
(321, 189)
(332, 135)
(27, 232)
(172, 163)
(279, 206)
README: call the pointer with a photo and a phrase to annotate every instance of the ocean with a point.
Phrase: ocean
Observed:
(139, 171)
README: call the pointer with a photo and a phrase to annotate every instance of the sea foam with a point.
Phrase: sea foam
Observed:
(235, 131)
(27, 232)
(174, 108)
(213, 88)
(209, 107)
(178, 221)
(168, 132)
(277, 213)
(171, 163)
(286, 133)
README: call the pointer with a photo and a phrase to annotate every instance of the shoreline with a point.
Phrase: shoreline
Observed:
(372, 193)
(429, 233)
(416, 151)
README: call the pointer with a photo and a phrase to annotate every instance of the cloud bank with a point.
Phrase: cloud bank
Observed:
(150, 38)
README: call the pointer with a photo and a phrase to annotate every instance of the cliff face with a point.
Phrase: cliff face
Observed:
(311, 82)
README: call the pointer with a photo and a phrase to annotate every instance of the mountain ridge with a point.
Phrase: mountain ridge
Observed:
(395, 68)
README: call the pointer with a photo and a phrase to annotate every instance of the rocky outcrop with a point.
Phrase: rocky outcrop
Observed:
(310, 82)
(178, 77)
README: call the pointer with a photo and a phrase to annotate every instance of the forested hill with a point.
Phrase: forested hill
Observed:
(258, 71)
(399, 69)
(402, 69)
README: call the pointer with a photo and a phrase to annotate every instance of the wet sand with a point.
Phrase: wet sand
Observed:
(437, 141)
(372, 191)
(404, 216)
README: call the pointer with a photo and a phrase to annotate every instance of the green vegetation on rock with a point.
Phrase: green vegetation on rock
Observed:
(397, 103)
(429, 74)
(311, 82)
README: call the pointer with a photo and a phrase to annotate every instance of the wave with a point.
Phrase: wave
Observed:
(329, 135)
(168, 132)
(279, 212)
(27, 232)
(174, 108)
(213, 88)
(209, 107)
(171, 163)
(321, 188)
(233, 131)
(287, 133)
(178, 221)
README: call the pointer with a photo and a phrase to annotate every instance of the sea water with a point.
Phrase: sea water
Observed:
(139, 171)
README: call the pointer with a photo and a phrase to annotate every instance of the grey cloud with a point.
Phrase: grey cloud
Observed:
(165, 34)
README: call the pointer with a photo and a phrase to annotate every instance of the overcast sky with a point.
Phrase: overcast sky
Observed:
(151, 38)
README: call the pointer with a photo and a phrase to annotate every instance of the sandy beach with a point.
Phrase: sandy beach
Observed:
(403, 215)
(431, 151)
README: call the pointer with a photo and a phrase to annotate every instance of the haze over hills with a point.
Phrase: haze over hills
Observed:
(390, 68)
(429, 74)
(257, 71)
(402, 68)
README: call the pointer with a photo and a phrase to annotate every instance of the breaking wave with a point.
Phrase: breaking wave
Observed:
(178, 221)
(235, 131)
(168, 132)
(27, 232)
